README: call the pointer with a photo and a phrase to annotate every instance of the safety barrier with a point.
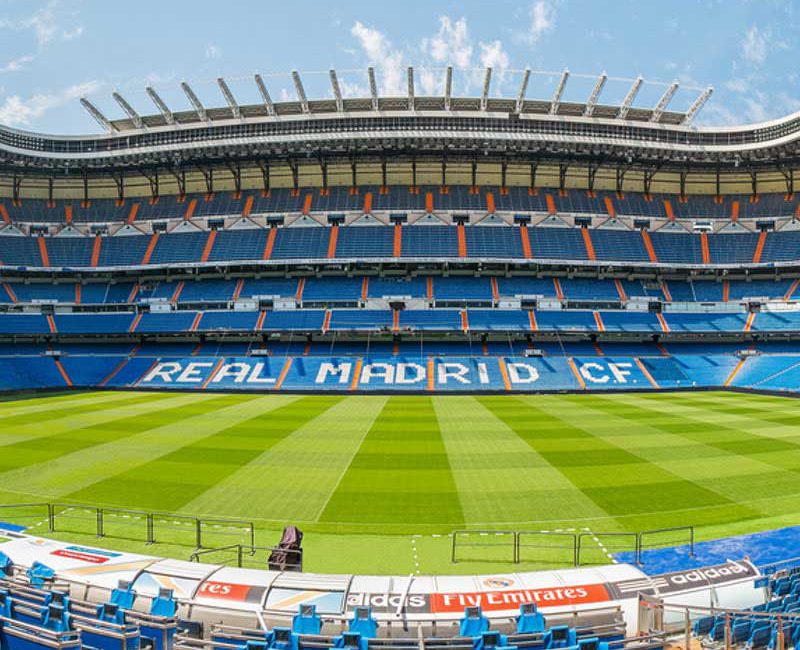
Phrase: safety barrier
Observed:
(673, 540)
(123, 523)
(560, 547)
(691, 621)
(505, 540)
(249, 556)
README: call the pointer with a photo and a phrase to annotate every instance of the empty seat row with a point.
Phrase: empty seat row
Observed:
(442, 289)
(322, 320)
(512, 199)
(414, 242)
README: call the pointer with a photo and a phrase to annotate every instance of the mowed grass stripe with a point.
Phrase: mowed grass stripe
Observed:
(659, 497)
(32, 445)
(29, 425)
(754, 479)
(116, 446)
(778, 456)
(770, 408)
(401, 475)
(595, 465)
(744, 433)
(657, 439)
(294, 478)
(305, 460)
(190, 470)
(500, 478)
(45, 403)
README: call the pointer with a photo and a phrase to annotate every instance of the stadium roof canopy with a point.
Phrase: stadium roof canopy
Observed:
(377, 128)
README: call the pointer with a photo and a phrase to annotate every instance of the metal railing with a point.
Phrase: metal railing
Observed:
(248, 556)
(563, 547)
(123, 523)
(665, 543)
(676, 620)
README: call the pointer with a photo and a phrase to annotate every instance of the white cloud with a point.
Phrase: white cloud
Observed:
(15, 65)
(754, 45)
(738, 85)
(73, 34)
(543, 16)
(16, 111)
(379, 52)
(431, 82)
(748, 106)
(213, 52)
(718, 115)
(493, 55)
(44, 23)
(451, 44)
(352, 88)
(755, 107)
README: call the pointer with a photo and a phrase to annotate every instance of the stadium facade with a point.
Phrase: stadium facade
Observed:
(411, 243)
(397, 244)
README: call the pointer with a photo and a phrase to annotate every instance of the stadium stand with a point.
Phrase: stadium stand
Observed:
(458, 198)
(258, 246)
(485, 260)
(531, 277)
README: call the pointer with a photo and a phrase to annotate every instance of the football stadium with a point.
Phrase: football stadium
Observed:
(400, 371)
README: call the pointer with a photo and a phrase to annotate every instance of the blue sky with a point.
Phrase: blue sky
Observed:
(54, 51)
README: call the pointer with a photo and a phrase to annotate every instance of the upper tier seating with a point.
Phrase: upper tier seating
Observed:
(677, 248)
(239, 245)
(376, 241)
(399, 198)
(316, 242)
(616, 245)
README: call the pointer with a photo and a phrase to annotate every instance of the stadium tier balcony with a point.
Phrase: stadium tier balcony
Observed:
(281, 201)
(553, 243)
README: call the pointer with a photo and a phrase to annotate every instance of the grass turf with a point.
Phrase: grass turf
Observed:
(377, 483)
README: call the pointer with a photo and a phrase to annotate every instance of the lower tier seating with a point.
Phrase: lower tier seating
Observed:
(299, 367)
(566, 321)
(338, 291)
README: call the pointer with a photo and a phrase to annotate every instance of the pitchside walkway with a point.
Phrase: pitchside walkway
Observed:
(763, 549)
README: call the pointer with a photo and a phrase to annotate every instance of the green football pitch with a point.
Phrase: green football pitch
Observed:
(379, 483)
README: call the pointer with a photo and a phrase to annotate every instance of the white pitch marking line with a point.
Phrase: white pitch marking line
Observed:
(600, 544)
